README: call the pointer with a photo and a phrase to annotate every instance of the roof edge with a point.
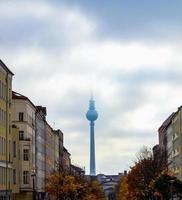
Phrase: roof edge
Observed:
(5, 67)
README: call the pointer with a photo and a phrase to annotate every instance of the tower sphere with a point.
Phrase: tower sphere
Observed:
(92, 115)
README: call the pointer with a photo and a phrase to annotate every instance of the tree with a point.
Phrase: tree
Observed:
(136, 185)
(97, 190)
(63, 186)
(166, 182)
(122, 192)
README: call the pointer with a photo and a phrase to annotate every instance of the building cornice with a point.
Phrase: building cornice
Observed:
(5, 67)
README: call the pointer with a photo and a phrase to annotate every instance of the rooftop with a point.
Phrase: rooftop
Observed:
(16, 95)
(5, 67)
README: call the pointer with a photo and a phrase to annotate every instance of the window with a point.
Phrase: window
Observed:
(14, 176)
(14, 149)
(21, 135)
(2, 175)
(26, 154)
(21, 116)
(25, 177)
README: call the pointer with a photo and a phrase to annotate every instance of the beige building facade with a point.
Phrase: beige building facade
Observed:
(23, 116)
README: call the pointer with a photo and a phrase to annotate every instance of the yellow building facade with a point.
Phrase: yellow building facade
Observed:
(5, 132)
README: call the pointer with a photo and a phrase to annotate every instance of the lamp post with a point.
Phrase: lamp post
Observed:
(171, 189)
(33, 181)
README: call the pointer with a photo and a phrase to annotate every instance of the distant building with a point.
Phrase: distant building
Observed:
(170, 138)
(66, 159)
(5, 131)
(76, 171)
(58, 149)
(174, 144)
(109, 183)
(50, 152)
(163, 137)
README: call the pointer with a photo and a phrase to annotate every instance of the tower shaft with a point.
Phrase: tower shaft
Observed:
(92, 150)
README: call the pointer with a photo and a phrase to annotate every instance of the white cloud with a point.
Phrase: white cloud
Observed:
(62, 74)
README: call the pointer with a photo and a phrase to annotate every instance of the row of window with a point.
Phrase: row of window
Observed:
(3, 149)
(29, 118)
(3, 197)
(2, 117)
(2, 146)
(26, 154)
(2, 176)
(23, 136)
(2, 90)
(26, 176)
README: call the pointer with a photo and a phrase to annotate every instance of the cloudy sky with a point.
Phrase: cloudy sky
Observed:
(127, 52)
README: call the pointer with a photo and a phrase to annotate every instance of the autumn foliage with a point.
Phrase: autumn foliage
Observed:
(147, 178)
(62, 186)
(166, 185)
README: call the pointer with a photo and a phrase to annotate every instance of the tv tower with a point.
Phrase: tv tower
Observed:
(92, 115)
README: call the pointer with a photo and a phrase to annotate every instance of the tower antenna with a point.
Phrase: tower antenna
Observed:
(92, 95)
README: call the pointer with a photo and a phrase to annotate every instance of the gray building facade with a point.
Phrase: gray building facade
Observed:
(173, 134)
(40, 118)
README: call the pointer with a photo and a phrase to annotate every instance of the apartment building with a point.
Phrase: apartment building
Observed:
(5, 132)
(50, 151)
(23, 116)
(59, 159)
(170, 138)
(175, 144)
(164, 133)
(56, 150)
(40, 151)
(29, 148)
(66, 159)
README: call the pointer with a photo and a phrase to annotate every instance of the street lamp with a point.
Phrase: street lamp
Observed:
(171, 189)
(33, 179)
